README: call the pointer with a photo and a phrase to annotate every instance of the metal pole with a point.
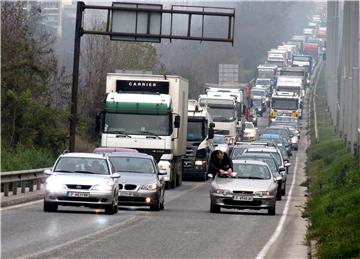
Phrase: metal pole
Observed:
(75, 79)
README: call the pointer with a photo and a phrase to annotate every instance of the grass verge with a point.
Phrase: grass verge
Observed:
(334, 186)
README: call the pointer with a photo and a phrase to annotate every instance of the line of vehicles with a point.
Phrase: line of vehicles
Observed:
(148, 120)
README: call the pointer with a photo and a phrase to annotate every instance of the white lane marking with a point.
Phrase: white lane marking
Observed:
(280, 226)
(21, 205)
(126, 221)
(181, 193)
(39, 253)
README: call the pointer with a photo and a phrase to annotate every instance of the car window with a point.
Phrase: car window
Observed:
(82, 165)
(251, 171)
(133, 164)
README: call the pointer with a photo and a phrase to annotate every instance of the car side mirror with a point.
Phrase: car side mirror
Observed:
(115, 175)
(48, 172)
(211, 125)
(177, 122)
(282, 169)
(211, 133)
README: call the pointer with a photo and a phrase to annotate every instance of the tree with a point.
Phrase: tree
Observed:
(28, 67)
(101, 56)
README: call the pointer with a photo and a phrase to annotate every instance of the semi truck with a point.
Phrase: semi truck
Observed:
(223, 110)
(200, 133)
(285, 103)
(148, 113)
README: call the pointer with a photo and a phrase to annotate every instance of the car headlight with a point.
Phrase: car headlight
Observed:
(149, 187)
(223, 192)
(264, 193)
(200, 162)
(103, 187)
(53, 186)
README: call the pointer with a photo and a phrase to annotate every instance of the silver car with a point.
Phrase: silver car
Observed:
(141, 182)
(250, 186)
(82, 179)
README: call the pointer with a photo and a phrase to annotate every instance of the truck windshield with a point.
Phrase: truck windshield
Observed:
(222, 114)
(265, 74)
(195, 130)
(138, 124)
(264, 81)
(290, 89)
(284, 104)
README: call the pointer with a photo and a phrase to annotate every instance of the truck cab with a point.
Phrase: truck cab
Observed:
(199, 146)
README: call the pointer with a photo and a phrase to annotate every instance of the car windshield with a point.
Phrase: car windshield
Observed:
(219, 139)
(84, 165)
(269, 161)
(237, 151)
(133, 164)
(251, 171)
(249, 126)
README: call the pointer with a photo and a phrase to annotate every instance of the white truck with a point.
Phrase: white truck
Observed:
(285, 103)
(223, 110)
(148, 113)
(293, 84)
(200, 133)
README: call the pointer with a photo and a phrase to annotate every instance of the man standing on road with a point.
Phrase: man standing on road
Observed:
(220, 162)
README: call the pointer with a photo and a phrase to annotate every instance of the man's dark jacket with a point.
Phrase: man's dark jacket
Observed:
(216, 164)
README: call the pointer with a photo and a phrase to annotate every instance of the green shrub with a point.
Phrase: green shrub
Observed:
(334, 187)
(21, 158)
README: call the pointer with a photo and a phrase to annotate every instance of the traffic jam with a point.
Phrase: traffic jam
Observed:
(153, 137)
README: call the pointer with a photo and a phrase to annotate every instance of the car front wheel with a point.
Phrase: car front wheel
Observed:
(214, 208)
(111, 209)
(50, 207)
(272, 210)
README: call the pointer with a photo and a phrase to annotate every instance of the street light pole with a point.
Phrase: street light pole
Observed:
(75, 78)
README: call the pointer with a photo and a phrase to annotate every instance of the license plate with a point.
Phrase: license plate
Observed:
(243, 198)
(128, 194)
(79, 194)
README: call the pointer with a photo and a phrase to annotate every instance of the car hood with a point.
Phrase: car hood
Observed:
(137, 178)
(80, 179)
(249, 131)
(243, 184)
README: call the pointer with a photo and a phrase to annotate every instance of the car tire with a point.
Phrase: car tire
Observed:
(278, 196)
(155, 207)
(283, 191)
(214, 208)
(272, 210)
(50, 206)
(110, 209)
(162, 205)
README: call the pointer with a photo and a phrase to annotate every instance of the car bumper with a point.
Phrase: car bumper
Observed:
(257, 203)
(94, 199)
(137, 198)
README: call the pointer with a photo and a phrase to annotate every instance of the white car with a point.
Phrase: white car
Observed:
(250, 132)
(82, 179)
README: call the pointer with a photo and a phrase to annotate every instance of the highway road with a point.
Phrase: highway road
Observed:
(185, 229)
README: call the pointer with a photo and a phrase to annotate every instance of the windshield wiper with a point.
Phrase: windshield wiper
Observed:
(64, 171)
(146, 133)
(119, 132)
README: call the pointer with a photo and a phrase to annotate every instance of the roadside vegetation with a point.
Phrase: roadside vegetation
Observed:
(36, 91)
(334, 188)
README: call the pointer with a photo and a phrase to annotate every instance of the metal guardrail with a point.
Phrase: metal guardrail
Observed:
(10, 181)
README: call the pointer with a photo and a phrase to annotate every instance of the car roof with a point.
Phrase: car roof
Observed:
(130, 154)
(256, 155)
(112, 149)
(264, 149)
(249, 161)
(79, 154)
